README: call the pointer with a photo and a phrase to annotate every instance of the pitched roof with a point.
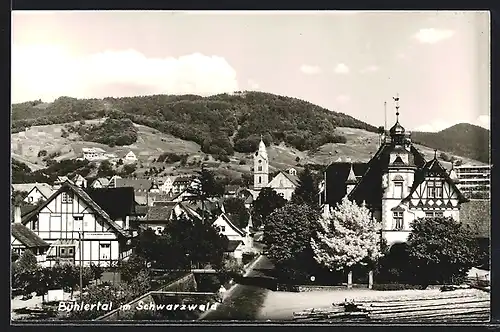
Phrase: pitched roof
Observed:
(180, 179)
(232, 245)
(230, 224)
(434, 168)
(86, 198)
(369, 188)
(160, 212)
(293, 178)
(117, 202)
(141, 210)
(103, 181)
(44, 188)
(232, 188)
(137, 184)
(26, 236)
(336, 175)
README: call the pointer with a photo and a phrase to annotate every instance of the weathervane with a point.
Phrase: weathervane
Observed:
(396, 101)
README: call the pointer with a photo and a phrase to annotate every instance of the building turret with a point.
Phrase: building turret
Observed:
(261, 167)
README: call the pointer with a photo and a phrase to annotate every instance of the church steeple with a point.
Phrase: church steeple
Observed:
(261, 166)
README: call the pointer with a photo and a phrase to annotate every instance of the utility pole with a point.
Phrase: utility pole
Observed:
(80, 235)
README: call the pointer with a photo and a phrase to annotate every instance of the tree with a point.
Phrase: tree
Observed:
(131, 267)
(441, 249)
(205, 187)
(347, 238)
(27, 261)
(105, 169)
(236, 211)
(287, 234)
(307, 190)
(267, 201)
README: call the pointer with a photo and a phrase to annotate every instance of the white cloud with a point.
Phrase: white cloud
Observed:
(483, 121)
(432, 36)
(253, 85)
(434, 126)
(49, 71)
(343, 99)
(341, 69)
(370, 69)
(310, 70)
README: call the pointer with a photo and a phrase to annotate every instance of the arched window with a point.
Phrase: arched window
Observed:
(260, 179)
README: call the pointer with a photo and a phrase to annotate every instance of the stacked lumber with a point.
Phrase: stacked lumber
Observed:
(457, 306)
(336, 313)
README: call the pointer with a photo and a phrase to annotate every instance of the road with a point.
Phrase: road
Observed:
(243, 299)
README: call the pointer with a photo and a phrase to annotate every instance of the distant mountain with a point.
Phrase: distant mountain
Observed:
(462, 139)
(220, 124)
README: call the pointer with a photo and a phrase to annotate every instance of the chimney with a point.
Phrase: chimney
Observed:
(17, 214)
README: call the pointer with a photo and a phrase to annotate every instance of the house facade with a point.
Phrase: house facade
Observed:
(236, 237)
(78, 230)
(37, 192)
(130, 158)
(398, 186)
(94, 154)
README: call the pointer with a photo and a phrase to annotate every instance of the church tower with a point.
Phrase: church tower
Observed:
(398, 177)
(260, 167)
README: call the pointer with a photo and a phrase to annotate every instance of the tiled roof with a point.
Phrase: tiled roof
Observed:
(117, 202)
(337, 174)
(26, 236)
(44, 188)
(369, 188)
(139, 185)
(141, 209)
(86, 198)
(183, 179)
(159, 212)
(232, 245)
(293, 178)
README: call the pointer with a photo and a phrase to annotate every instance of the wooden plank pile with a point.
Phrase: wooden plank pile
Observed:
(453, 306)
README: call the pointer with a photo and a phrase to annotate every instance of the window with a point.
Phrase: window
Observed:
(222, 228)
(159, 230)
(398, 220)
(67, 198)
(435, 189)
(434, 214)
(30, 199)
(34, 225)
(398, 189)
(63, 251)
(70, 251)
(260, 179)
(105, 245)
(259, 168)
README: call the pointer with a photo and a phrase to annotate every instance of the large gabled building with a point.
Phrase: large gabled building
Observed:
(398, 185)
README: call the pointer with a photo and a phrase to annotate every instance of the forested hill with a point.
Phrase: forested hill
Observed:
(462, 139)
(221, 124)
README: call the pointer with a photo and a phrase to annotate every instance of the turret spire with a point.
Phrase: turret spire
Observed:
(435, 153)
(396, 101)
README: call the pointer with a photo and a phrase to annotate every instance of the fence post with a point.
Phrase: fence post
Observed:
(370, 279)
(349, 279)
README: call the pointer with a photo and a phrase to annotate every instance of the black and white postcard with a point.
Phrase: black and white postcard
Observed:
(265, 166)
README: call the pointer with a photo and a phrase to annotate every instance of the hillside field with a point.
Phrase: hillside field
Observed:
(360, 146)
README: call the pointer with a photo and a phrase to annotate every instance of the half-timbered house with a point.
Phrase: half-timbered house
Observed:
(78, 229)
(22, 239)
(398, 186)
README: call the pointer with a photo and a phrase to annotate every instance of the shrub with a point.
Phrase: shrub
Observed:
(394, 287)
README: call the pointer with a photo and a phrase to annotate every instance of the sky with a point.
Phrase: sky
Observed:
(438, 62)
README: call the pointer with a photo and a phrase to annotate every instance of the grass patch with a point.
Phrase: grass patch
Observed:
(243, 304)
